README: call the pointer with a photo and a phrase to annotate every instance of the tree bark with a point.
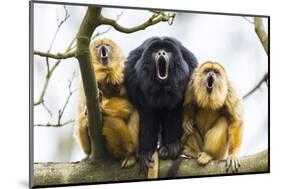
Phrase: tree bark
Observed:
(109, 170)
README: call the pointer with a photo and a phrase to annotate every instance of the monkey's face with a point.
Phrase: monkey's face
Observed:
(210, 85)
(162, 60)
(105, 52)
(211, 79)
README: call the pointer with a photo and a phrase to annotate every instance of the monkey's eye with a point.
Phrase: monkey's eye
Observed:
(207, 71)
(217, 72)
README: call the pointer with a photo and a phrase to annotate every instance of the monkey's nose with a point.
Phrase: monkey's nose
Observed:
(161, 53)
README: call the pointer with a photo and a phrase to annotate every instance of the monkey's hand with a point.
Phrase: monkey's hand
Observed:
(188, 127)
(170, 151)
(232, 162)
(145, 161)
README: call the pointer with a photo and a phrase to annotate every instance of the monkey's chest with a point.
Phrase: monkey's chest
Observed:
(109, 90)
(205, 119)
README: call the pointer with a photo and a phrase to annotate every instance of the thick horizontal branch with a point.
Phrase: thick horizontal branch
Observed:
(154, 19)
(258, 85)
(104, 171)
(56, 56)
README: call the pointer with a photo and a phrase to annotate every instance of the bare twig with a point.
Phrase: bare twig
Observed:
(50, 72)
(55, 56)
(60, 23)
(258, 85)
(47, 109)
(248, 20)
(55, 125)
(61, 112)
(109, 28)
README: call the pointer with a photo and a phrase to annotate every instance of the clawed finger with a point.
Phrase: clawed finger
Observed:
(233, 164)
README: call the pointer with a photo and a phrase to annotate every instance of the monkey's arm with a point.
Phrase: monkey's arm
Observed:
(187, 123)
(234, 107)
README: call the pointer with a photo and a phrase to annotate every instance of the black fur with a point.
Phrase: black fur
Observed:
(159, 103)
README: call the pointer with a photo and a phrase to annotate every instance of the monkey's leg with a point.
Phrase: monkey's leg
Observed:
(193, 145)
(215, 142)
(172, 132)
(81, 133)
(117, 137)
(148, 137)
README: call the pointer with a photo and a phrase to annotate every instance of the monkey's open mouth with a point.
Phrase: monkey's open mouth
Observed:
(162, 67)
(103, 55)
(210, 82)
(103, 52)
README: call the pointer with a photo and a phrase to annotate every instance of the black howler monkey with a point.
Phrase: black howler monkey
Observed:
(156, 74)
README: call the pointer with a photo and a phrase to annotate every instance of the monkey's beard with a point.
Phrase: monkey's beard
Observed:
(210, 92)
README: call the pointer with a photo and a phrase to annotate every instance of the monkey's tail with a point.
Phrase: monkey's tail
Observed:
(175, 166)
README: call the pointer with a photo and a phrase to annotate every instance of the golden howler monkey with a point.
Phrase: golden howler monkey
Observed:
(120, 121)
(212, 118)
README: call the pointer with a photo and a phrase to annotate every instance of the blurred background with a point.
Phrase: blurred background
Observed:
(230, 40)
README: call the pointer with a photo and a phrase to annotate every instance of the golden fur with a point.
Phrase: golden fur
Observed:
(212, 120)
(120, 122)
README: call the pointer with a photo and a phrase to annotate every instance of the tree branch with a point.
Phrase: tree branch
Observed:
(89, 24)
(55, 56)
(259, 28)
(264, 79)
(154, 19)
(73, 173)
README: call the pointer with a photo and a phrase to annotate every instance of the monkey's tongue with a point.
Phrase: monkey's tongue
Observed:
(162, 68)
(210, 82)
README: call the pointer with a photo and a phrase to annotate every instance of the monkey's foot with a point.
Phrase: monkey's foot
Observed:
(233, 163)
(204, 158)
(128, 161)
(145, 161)
(85, 159)
(170, 151)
